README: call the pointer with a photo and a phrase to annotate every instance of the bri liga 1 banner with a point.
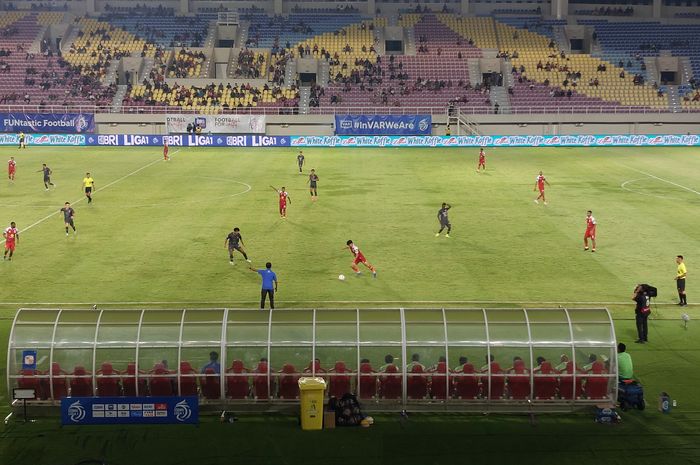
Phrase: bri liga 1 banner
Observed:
(216, 124)
(73, 123)
(383, 125)
(129, 410)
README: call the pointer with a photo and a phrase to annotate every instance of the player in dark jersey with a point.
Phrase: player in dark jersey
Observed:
(47, 176)
(234, 241)
(300, 160)
(313, 179)
(22, 143)
(444, 220)
(68, 214)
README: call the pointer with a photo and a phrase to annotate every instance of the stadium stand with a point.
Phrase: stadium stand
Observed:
(530, 54)
(42, 78)
(160, 25)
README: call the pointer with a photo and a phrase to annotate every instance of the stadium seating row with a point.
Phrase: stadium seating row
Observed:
(464, 383)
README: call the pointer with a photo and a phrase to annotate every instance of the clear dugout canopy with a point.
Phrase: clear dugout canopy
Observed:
(392, 357)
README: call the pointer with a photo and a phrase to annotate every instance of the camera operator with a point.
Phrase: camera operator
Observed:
(641, 312)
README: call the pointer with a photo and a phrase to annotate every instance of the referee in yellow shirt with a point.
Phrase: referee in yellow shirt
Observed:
(89, 185)
(680, 281)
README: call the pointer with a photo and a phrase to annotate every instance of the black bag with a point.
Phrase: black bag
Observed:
(347, 410)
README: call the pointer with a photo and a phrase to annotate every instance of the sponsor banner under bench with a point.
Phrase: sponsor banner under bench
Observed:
(399, 125)
(216, 124)
(76, 123)
(584, 140)
(129, 410)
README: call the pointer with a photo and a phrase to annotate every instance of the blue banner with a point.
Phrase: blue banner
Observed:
(74, 123)
(370, 125)
(583, 140)
(44, 139)
(129, 410)
(188, 140)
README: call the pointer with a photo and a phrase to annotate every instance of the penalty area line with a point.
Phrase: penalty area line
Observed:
(51, 215)
(664, 180)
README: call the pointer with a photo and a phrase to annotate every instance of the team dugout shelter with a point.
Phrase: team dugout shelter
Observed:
(433, 359)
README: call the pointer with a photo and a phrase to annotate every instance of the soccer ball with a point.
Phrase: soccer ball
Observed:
(341, 277)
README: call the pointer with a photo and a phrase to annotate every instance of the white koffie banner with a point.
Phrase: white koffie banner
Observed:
(216, 124)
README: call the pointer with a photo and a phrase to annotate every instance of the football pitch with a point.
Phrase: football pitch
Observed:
(154, 238)
(155, 231)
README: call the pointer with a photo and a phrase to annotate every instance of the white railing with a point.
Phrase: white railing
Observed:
(339, 110)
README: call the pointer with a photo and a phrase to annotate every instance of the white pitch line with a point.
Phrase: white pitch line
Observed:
(164, 302)
(665, 180)
(658, 196)
(96, 191)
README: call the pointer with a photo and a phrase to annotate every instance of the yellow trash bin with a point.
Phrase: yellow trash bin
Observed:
(311, 391)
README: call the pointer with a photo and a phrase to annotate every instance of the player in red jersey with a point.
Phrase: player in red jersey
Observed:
(11, 168)
(11, 236)
(540, 181)
(590, 231)
(359, 258)
(165, 150)
(482, 160)
(284, 198)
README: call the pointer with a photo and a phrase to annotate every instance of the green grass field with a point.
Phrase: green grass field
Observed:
(154, 238)
(156, 235)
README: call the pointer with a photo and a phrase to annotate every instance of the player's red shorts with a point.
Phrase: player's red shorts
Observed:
(541, 189)
(10, 246)
(283, 205)
(590, 233)
(482, 161)
(11, 170)
(359, 258)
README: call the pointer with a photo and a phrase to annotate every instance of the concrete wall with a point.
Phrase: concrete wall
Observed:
(307, 65)
(667, 64)
(488, 124)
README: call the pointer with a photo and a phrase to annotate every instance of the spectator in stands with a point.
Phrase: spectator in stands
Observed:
(213, 363)
(625, 368)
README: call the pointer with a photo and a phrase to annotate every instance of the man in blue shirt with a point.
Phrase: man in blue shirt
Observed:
(268, 278)
(213, 363)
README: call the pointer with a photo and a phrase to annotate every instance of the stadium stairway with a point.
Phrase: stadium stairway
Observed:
(324, 71)
(410, 47)
(686, 71)
(242, 34)
(119, 98)
(652, 74)
(304, 97)
(379, 40)
(674, 100)
(499, 95)
(290, 71)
